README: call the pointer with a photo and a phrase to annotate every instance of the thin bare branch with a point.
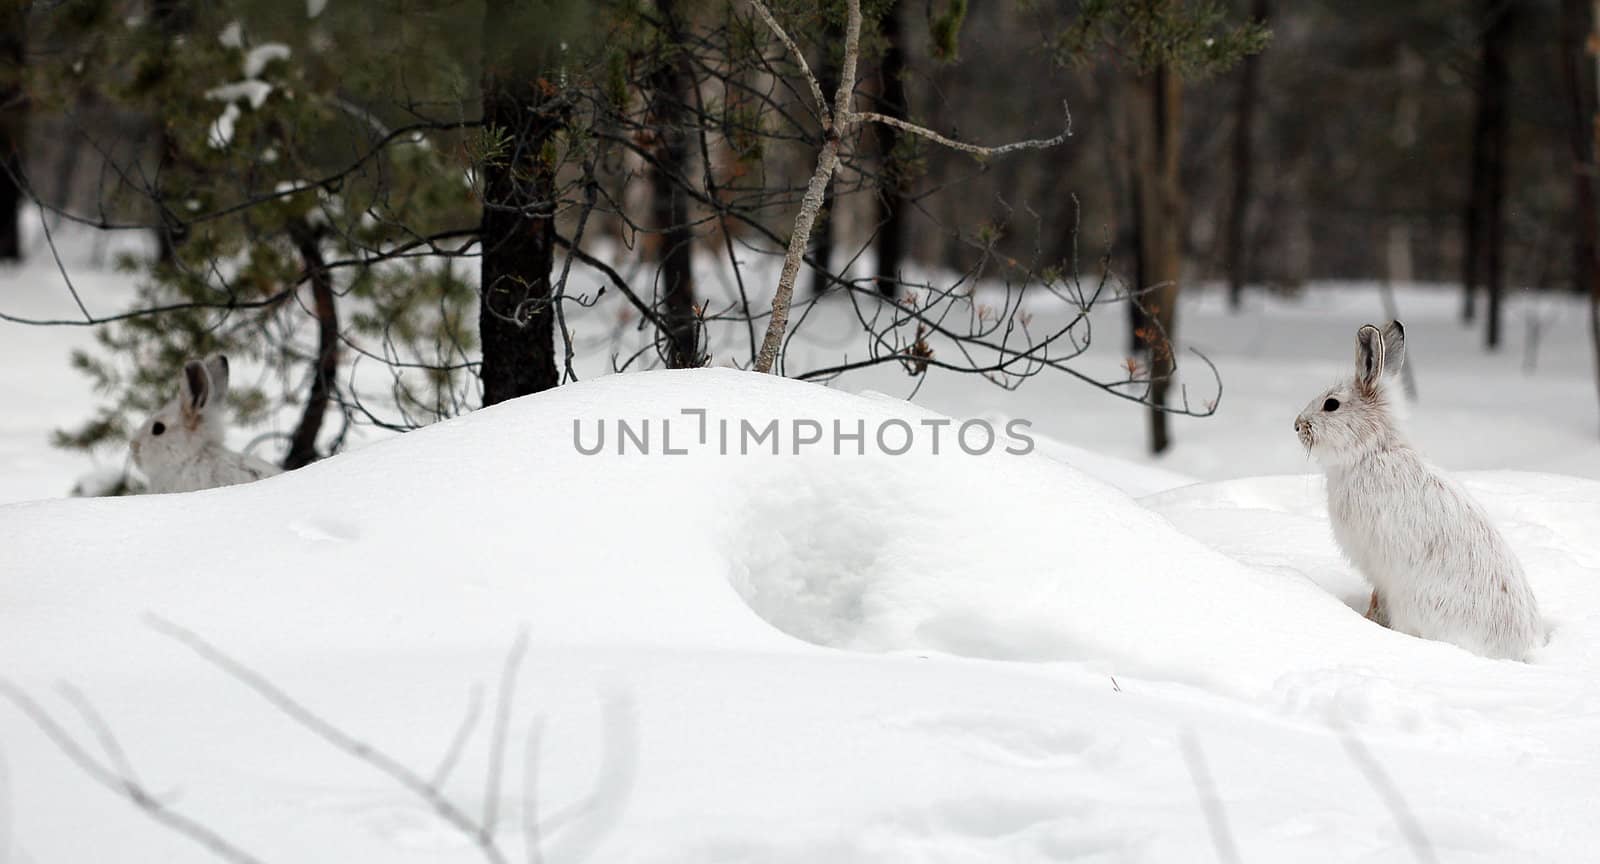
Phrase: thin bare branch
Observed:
(458, 742)
(1404, 819)
(800, 57)
(502, 719)
(333, 735)
(125, 787)
(816, 191)
(530, 792)
(1210, 802)
(978, 150)
(103, 734)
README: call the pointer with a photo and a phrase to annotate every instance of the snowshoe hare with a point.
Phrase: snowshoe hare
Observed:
(179, 449)
(1438, 567)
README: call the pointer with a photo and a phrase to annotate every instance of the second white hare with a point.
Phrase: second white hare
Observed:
(1438, 567)
(180, 449)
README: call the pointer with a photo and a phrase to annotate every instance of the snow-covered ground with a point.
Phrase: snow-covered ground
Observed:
(1070, 655)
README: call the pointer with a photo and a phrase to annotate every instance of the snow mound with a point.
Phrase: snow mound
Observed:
(999, 556)
(802, 643)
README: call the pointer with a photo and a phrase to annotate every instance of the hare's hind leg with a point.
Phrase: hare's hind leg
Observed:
(1377, 612)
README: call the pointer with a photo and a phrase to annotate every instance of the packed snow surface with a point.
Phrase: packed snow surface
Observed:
(813, 657)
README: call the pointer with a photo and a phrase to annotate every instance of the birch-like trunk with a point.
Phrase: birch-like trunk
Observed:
(836, 123)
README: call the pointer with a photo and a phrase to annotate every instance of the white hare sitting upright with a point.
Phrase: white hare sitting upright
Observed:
(180, 449)
(1438, 567)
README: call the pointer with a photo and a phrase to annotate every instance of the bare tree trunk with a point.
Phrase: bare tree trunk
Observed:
(1136, 98)
(13, 124)
(515, 318)
(827, 159)
(822, 252)
(303, 445)
(1161, 218)
(1482, 222)
(838, 120)
(1593, 93)
(1471, 230)
(891, 195)
(669, 89)
(173, 18)
(1496, 85)
(1580, 23)
(1243, 164)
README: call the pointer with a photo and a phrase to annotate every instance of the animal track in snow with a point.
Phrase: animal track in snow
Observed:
(325, 529)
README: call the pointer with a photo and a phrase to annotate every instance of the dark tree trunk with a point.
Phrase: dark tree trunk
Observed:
(515, 317)
(13, 124)
(1496, 86)
(822, 229)
(173, 19)
(1157, 218)
(1472, 222)
(1577, 28)
(1138, 304)
(303, 445)
(1243, 164)
(67, 169)
(670, 84)
(1482, 222)
(1160, 229)
(1138, 111)
(891, 194)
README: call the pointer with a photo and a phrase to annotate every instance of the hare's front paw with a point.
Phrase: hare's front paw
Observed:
(1376, 611)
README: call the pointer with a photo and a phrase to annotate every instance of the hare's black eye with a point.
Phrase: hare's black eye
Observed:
(158, 428)
(1331, 405)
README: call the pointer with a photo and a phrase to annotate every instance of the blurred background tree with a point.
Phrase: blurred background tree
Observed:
(1160, 44)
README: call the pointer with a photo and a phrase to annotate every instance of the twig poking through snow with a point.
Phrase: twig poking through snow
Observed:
(1210, 802)
(126, 787)
(530, 791)
(333, 735)
(458, 742)
(102, 732)
(1410, 828)
(497, 742)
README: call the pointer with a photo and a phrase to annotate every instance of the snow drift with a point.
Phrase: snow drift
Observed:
(793, 655)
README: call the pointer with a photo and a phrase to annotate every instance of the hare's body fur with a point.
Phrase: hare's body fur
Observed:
(1440, 568)
(213, 465)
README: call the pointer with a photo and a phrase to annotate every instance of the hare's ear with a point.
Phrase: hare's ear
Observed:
(196, 388)
(1394, 347)
(217, 368)
(1369, 358)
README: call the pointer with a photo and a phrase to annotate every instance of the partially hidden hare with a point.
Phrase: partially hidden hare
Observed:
(1438, 567)
(180, 449)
